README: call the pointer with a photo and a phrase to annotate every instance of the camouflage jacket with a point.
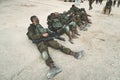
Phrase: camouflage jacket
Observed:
(35, 32)
(64, 19)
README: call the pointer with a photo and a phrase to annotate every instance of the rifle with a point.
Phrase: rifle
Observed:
(52, 36)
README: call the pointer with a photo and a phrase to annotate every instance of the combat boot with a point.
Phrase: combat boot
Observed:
(79, 54)
(53, 72)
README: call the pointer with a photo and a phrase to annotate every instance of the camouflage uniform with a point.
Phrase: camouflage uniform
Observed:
(68, 20)
(35, 32)
(57, 26)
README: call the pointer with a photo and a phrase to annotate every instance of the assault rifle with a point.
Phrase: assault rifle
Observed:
(52, 36)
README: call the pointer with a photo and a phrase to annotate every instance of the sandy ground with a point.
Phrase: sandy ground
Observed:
(20, 59)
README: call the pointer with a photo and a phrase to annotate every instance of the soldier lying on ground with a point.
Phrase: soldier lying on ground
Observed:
(36, 31)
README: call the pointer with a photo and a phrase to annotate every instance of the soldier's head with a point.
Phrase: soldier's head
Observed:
(34, 20)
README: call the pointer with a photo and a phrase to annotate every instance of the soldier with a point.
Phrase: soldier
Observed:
(108, 7)
(68, 19)
(81, 18)
(36, 31)
(84, 16)
(56, 26)
(90, 4)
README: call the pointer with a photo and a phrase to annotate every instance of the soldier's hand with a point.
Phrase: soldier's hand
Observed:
(45, 35)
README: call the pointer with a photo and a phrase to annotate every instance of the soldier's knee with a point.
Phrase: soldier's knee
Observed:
(66, 28)
(61, 47)
(45, 55)
(72, 24)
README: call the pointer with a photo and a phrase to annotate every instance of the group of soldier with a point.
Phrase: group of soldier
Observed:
(68, 22)
(58, 23)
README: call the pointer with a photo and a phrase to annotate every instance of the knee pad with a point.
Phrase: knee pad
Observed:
(45, 55)
(61, 46)
(67, 28)
(72, 24)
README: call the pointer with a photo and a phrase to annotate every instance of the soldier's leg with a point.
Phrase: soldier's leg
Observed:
(66, 30)
(43, 48)
(90, 5)
(54, 70)
(56, 45)
(73, 29)
(118, 4)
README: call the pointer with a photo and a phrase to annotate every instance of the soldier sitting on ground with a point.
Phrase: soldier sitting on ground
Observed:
(81, 17)
(68, 19)
(36, 31)
(55, 25)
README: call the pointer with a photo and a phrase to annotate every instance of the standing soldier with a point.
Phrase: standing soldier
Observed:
(108, 6)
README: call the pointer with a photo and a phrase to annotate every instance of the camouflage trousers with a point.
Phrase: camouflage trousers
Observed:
(43, 48)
